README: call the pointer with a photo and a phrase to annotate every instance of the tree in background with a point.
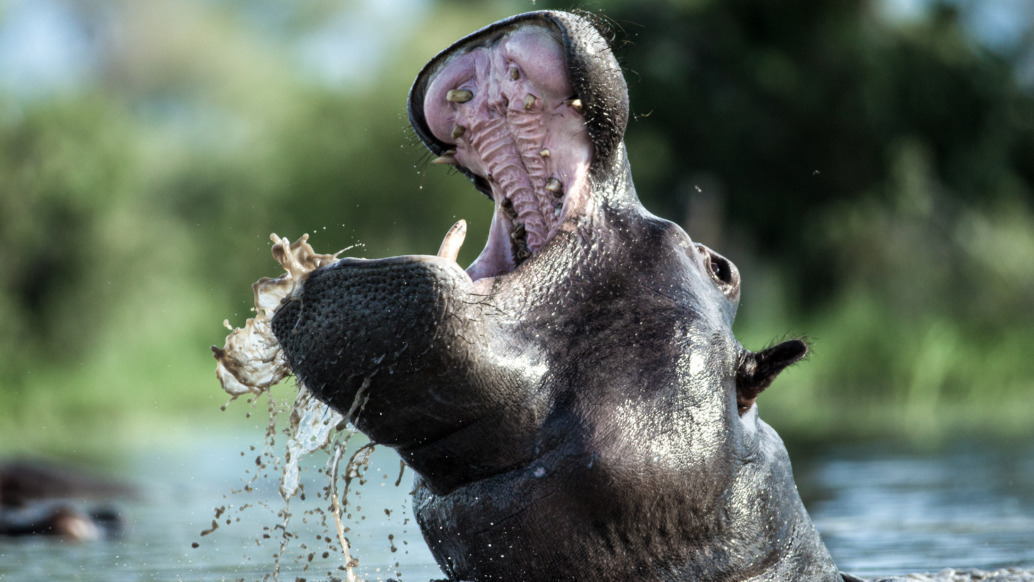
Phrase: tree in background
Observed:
(797, 114)
(886, 167)
(873, 178)
(136, 203)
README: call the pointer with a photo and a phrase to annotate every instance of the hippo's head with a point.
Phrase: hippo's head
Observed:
(574, 402)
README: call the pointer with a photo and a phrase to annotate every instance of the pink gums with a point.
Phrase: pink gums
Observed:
(517, 128)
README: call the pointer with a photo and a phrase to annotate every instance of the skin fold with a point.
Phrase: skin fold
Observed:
(574, 402)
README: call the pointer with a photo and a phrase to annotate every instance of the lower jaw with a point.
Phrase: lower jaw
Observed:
(509, 246)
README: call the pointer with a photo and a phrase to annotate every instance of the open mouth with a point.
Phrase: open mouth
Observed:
(504, 111)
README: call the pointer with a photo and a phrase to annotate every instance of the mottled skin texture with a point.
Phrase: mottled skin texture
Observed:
(582, 414)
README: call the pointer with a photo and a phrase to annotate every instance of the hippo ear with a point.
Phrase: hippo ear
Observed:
(756, 371)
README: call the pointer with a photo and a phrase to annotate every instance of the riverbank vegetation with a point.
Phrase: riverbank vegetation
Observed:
(871, 175)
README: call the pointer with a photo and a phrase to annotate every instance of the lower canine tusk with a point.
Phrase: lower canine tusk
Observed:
(453, 240)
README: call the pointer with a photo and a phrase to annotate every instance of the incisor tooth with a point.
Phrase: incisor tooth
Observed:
(458, 131)
(445, 161)
(453, 240)
(459, 95)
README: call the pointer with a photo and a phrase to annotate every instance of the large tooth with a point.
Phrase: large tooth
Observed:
(445, 160)
(458, 131)
(507, 206)
(518, 232)
(453, 240)
(459, 95)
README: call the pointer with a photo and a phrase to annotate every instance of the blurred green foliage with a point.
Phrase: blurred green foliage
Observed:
(872, 178)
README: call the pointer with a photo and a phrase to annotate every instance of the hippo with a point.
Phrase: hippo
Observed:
(574, 403)
(24, 481)
(36, 499)
(60, 519)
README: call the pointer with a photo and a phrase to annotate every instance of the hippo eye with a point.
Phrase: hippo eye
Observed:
(720, 269)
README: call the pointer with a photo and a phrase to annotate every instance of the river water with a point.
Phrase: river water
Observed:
(882, 509)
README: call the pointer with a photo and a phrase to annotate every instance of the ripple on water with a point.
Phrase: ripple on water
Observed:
(886, 510)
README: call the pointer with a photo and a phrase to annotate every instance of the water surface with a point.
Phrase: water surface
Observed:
(881, 508)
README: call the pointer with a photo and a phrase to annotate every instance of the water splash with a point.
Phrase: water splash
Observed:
(251, 362)
(312, 426)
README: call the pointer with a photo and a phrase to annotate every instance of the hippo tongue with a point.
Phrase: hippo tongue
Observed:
(507, 110)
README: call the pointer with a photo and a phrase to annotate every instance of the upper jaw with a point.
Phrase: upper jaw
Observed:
(563, 119)
(507, 113)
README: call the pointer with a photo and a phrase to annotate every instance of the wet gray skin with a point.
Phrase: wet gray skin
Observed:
(574, 403)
